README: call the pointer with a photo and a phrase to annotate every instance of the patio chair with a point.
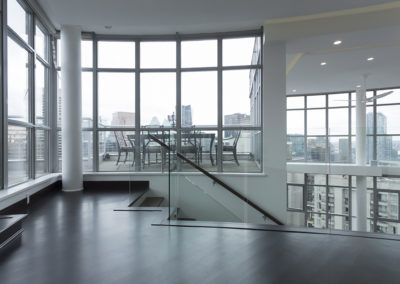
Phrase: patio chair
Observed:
(123, 146)
(231, 148)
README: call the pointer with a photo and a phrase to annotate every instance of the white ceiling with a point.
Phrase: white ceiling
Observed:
(345, 63)
(185, 16)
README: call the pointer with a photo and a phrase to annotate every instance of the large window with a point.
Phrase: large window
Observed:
(138, 87)
(28, 95)
(322, 128)
(329, 201)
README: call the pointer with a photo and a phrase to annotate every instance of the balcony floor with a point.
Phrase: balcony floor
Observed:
(78, 238)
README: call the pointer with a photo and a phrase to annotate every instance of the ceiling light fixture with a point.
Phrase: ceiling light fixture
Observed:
(323, 63)
(294, 91)
(358, 86)
(370, 58)
(337, 42)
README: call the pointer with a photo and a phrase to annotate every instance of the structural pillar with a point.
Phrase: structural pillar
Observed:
(72, 177)
(274, 124)
(361, 142)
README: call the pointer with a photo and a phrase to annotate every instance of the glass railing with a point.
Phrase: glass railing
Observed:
(198, 195)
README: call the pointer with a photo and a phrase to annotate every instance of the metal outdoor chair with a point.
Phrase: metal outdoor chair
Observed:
(123, 146)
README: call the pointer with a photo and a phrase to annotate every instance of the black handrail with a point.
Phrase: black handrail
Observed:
(217, 180)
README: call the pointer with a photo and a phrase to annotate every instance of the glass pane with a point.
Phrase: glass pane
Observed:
(160, 54)
(316, 149)
(316, 198)
(387, 119)
(41, 43)
(241, 151)
(338, 121)
(87, 99)
(388, 205)
(255, 97)
(339, 222)
(316, 179)
(388, 183)
(116, 99)
(295, 178)
(336, 100)
(237, 99)
(338, 200)
(295, 197)
(295, 148)
(339, 149)
(294, 102)
(87, 53)
(200, 147)
(158, 100)
(295, 122)
(190, 51)
(199, 94)
(388, 150)
(340, 180)
(316, 101)
(116, 54)
(59, 99)
(115, 151)
(42, 152)
(18, 19)
(388, 227)
(239, 51)
(18, 87)
(389, 99)
(87, 151)
(316, 122)
(41, 94)
(17, 154)
(316, 221)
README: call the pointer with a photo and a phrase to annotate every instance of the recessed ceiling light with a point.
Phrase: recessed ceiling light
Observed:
(323, 63)
(108, 27)
(337, 42)
(370, 58)
(294, 91)
(358, 86)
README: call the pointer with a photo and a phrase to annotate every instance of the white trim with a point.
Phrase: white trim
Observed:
(19, 192)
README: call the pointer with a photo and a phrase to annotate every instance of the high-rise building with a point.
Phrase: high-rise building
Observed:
(186, 113)
(383, 143)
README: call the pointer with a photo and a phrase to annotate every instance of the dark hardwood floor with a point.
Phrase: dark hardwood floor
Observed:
(78, 238)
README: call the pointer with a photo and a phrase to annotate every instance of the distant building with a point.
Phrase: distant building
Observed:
(186, 113)
(123, 119)
(235, 120)
(384, 145)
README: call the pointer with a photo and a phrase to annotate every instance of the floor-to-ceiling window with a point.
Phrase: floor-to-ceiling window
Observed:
(27, 93)
(206, 89)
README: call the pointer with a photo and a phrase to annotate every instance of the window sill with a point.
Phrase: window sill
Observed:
(19, 192)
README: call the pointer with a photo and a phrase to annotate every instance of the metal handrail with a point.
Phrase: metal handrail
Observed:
(217, 180)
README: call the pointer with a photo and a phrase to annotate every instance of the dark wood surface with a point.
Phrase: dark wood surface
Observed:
(78, 238)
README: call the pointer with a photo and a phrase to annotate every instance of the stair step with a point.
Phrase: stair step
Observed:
(10, 228)
(152, 202)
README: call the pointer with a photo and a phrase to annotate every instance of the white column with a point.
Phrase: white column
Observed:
(274, 122)
(361, 142)
(72, 179)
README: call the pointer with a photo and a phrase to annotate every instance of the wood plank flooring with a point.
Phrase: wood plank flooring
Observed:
(78, 238)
